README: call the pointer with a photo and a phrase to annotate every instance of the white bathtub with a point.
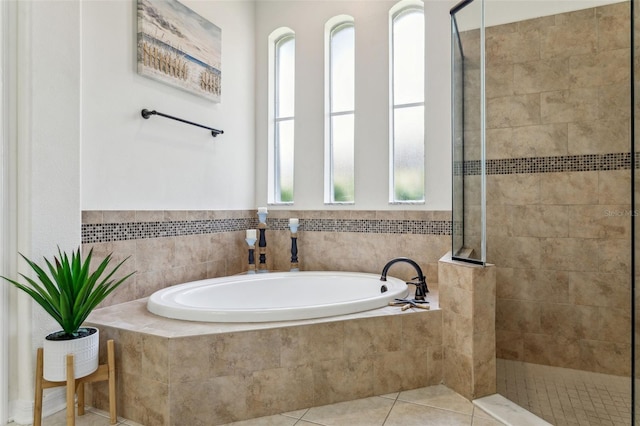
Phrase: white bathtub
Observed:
(278, 296)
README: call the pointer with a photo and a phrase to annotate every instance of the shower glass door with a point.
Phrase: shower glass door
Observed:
(468, 130)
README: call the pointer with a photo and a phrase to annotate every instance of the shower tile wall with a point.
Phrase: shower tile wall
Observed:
(171, 247)
(558, 212)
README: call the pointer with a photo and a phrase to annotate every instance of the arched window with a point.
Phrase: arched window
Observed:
(407, 103)
(282, 101)
(340, 108)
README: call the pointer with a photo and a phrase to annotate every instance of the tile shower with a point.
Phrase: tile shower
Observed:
(558, 206)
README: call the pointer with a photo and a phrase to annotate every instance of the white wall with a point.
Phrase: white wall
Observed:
(44, 169)
(371, 18)
(129, 163)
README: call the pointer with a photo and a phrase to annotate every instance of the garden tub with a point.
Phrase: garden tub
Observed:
(276, 296)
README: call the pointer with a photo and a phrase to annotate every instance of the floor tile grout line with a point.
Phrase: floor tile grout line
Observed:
(395, 400)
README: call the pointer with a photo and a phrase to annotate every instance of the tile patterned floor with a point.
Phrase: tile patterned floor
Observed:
(560, 396)
(563, 396)
(434, 405)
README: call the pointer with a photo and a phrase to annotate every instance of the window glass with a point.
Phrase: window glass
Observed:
(407, 111)
(284, 118)
(341, 114)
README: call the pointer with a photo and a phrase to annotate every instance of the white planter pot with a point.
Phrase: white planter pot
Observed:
(85, 356)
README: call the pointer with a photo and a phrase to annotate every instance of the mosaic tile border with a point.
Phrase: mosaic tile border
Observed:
(564, 163)
(108, 232)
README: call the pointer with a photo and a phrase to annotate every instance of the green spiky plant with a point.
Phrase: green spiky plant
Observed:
(70, 292)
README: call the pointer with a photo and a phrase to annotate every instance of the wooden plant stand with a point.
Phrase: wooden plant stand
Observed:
(76, 386)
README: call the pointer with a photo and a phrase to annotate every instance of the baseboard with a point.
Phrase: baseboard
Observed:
(53, 400)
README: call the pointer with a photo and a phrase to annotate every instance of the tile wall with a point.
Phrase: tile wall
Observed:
(175, 373)
(172, 247)
(558, 185)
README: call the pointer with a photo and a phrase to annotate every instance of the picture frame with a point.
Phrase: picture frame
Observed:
(178, 47)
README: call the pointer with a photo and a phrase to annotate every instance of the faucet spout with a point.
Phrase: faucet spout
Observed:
(421, 284)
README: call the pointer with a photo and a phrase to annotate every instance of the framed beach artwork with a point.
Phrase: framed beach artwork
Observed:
(179, 47)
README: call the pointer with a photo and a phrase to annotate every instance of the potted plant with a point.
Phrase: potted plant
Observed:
(69, 293)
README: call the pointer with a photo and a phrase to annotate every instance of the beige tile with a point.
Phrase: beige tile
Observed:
(536, 23)
(568, 106)
(129, 351)
(484, 364)
(458, 372)
(599, 289)
(614, 187)
(599, 69)
(277, 420)
(574, 34)
(513, 111)
(569, 188)
(193, 215)
(540, 221)
(570, 254)
(192, 249)
(192, 402)
(365, 412)
(395, 370)
(514, 189)
(509, 344)
(605, 357)
(409, 414)
(512, 47)
(499, 144)
(613, 101)
(154, 254)
(245, 352)
(147, 400)
(613, 255)
(281, 389)
(515, 252)
(435, 360)
(366, 337)
(92, 216)
(189, 358)
(421, 329)
(149, 282)
(541, 76)
(118, 216)
(438, 397)
(540, 141)
(551, 350)
(500, 80)
(155, 358)
(149, 216)
(342, 380)
(175, 215)
(518, 315)
(586, 137)
(305, 344)
(185, 274)
(89, 419)
(532, 284)
(600, 221)
(499, 220)
(614, 27)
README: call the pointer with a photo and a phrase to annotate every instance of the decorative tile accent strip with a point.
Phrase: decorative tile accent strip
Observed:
(374, 226)
(107, 232)
(565, 163)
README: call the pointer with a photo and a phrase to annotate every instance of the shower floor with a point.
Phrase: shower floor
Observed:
(563, 396)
